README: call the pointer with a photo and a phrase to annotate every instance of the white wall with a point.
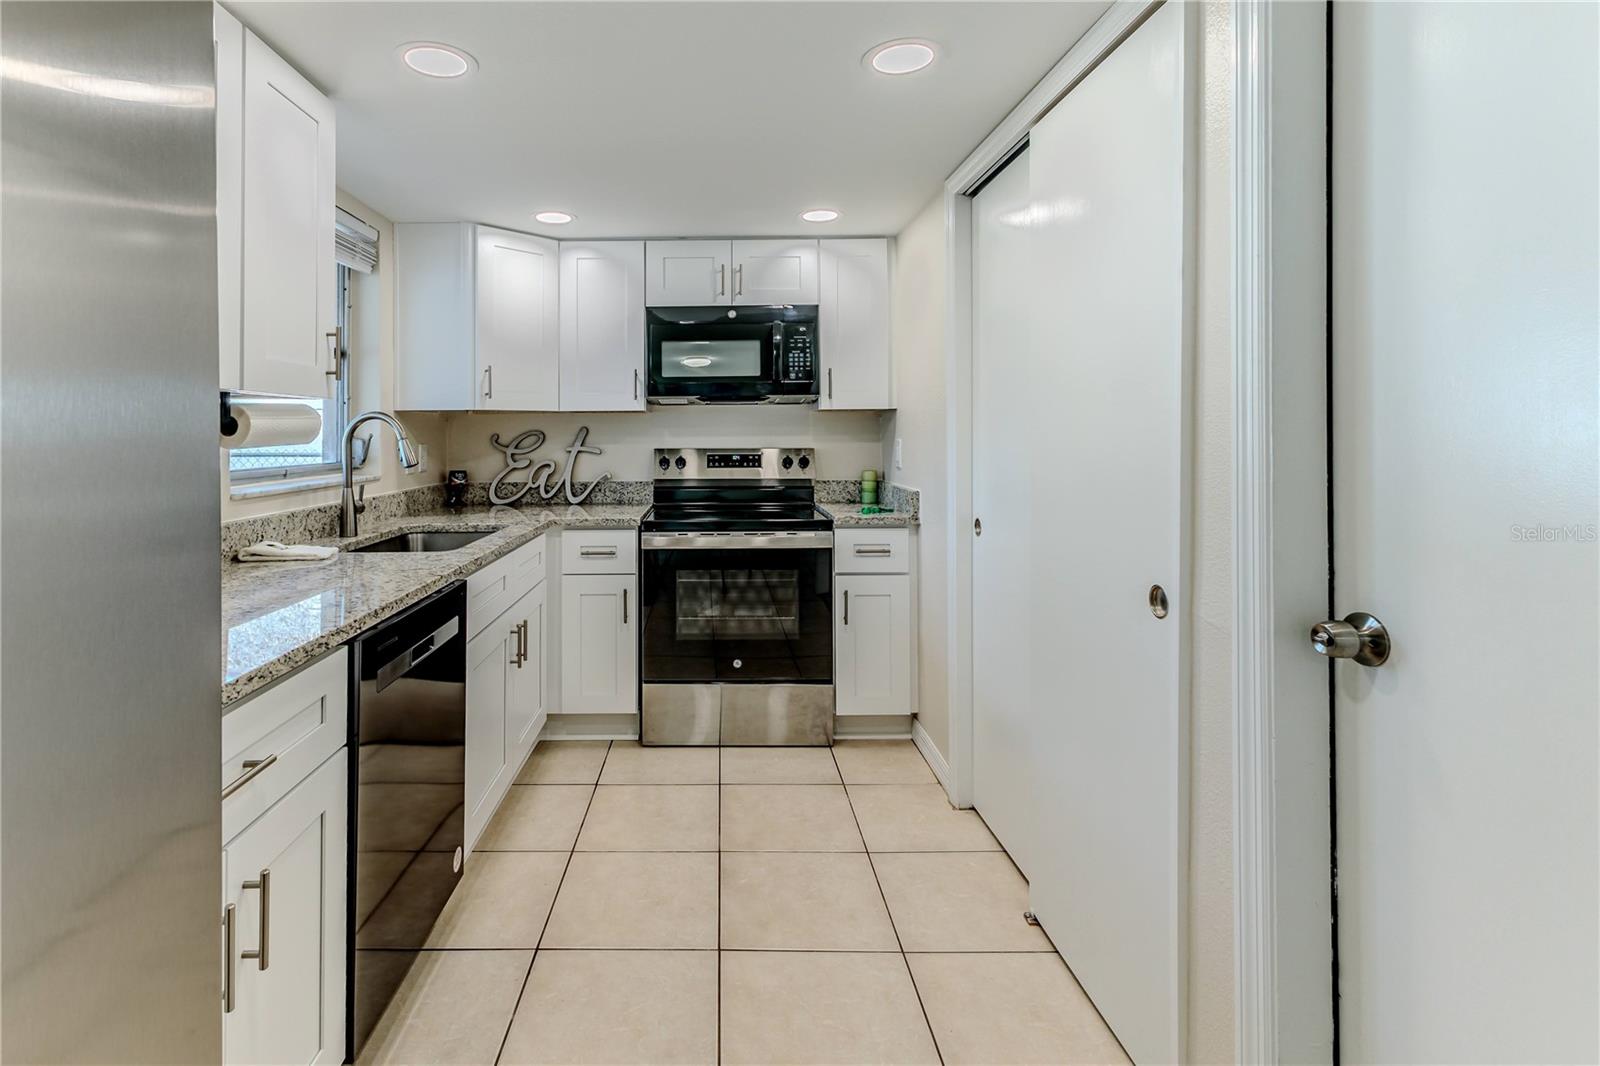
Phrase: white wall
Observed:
(847, 442)
(919, 424)
(372, 378)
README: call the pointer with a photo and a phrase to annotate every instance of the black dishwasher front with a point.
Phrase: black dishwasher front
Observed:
(407, 774)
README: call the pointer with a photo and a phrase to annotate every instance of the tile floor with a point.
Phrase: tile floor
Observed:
(742, 905)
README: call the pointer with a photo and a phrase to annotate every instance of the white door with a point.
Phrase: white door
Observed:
(525, 712)
(688, 273)
(1097, 410)
(490, 659)
(853, 313)
(873, 644)
(288, 274)
(289, 1006)
(602, 326)
(518, 353)
(775, 272)
(1466, 165)
(599, 644)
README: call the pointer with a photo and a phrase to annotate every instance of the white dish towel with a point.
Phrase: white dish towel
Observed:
(273, 551)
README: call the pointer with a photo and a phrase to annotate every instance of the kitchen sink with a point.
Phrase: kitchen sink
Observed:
(424, 542)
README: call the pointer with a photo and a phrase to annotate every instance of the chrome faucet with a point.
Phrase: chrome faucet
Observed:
(351, 505)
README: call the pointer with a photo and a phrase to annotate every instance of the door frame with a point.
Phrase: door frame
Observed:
(1286, 1006)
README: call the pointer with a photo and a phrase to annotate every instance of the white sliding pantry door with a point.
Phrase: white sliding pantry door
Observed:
(1081, 452)
(1465, 339)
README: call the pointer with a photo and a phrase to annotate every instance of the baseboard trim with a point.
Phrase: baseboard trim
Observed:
(590, 727)
(930, 752)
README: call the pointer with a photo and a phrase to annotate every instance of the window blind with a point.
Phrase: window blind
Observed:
(355, 244)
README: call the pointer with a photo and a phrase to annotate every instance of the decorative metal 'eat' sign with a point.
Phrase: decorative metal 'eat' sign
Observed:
(519, 457)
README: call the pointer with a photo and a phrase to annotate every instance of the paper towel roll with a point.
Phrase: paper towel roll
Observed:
(262, 425)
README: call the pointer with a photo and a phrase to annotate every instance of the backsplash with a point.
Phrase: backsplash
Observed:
(897, 498)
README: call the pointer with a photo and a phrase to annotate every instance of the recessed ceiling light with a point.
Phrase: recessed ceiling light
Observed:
(905, 56)
(819, 214)
(554, 218)
(437, 60)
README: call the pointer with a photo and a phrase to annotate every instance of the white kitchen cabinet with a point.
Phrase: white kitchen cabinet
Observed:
(602, 325)
(491, 656)
(287, 313)
(599, 644)
(853, 317)
(688, 273)
(780, 271)
(227, 39)
(477, 315)
(283, 930)
(872, 644)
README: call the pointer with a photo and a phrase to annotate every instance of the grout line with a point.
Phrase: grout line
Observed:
(501, 1050)
(904, 961)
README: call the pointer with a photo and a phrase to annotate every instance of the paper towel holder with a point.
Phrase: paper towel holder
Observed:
(230, 424)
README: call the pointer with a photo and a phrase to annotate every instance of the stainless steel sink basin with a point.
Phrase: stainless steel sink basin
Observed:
(424, 542)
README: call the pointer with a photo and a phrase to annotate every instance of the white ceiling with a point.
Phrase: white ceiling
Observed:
(665, 118)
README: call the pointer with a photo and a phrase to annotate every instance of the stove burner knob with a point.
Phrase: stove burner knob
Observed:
(680, 463)
(788, 461)
(805, 461)
(663, 462)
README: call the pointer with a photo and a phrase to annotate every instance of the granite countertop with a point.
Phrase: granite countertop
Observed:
(849, 516)
(277, 617)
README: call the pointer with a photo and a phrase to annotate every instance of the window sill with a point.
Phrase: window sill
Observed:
(250, 490)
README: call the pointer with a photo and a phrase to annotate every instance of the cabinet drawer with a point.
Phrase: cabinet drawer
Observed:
(291, 728)
(503, 582)
(599, 551)
(871, 551)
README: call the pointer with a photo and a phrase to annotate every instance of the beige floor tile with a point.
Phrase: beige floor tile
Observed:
(882, 762)
(617, 1007)
(631, 763)
(1011, 1009)
(636, 899)
(453, 1007)
(651, 818)
(537, 818)
(780, 901)
(501, 902)
(969, 901)
(564, 762)
(917, 818)
(778, 766)
(831, 1007)
(787, 818)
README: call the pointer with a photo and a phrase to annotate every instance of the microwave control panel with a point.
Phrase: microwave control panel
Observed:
(799, 360)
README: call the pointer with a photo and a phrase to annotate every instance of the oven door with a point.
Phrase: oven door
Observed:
(736, 609)
(712, 362)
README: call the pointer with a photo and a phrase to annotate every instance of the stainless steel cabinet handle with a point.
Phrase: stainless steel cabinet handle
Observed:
(252, 767)
(520, 631)
(598, 553)
(624, 606)
(846, 606)
(738, 280)
(264, 883)
(488, 382)
(722, 279)
(635, 384)
(336, 335)
(227, 956)
(830, 383)
(874, 549)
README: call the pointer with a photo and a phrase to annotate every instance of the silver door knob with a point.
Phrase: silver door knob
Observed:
(1360, 637)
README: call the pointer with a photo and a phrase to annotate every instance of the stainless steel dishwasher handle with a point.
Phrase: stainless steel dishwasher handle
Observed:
(252, 768)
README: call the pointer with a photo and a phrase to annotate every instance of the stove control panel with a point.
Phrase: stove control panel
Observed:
(748, 463)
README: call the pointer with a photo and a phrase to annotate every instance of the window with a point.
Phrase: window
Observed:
(320, 456)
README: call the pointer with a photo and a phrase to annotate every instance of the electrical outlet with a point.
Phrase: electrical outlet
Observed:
(422, 460)
(899, 454)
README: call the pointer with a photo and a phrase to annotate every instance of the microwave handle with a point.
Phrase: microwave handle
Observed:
(777, 351)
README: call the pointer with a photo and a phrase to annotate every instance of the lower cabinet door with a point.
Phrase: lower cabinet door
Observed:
(872, 644)
(599, 644)
(283, 881)
(525, 700)
(491, 658)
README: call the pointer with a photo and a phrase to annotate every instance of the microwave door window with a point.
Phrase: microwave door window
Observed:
(720, 360)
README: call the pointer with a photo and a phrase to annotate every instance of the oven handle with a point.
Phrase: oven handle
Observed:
(820, 538)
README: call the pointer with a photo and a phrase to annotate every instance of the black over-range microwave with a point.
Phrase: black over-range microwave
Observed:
(765, 354)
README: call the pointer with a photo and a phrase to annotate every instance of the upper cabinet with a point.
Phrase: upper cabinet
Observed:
(707, 273)
(688, 273)
(285, 276)
(602, 325)
(476, 319)
(853, 317)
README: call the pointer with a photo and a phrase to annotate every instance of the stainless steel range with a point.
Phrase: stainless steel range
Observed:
(736, 593)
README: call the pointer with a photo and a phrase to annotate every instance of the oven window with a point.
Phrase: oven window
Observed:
(723, 360)
(752, 615)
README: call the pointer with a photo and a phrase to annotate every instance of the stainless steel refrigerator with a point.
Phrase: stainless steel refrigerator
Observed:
(110, 722)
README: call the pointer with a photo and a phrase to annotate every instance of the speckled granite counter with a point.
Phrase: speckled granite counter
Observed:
(277, 617)
(849, 516)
